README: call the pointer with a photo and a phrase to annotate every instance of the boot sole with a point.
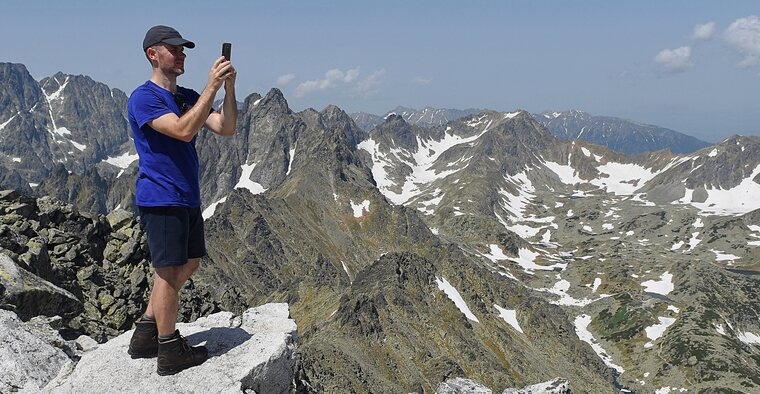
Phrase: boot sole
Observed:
(142, 353)
(172, 371)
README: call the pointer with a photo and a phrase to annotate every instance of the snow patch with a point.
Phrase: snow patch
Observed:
(291, 156)
(527, 260)
(245, 181)
(509, 316)
(209, 211)
(122, 161)
(663, 286)
(581, 328)
(656, 331)
(360, 208)
(722, 256)
(748, 338)
(454, 295)
(735, 201)
(79, 146)
(2, 125)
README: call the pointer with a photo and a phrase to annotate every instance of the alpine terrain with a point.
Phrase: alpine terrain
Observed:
(617, 134)
(481, 252)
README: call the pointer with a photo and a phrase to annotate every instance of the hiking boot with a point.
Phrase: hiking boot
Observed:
(174, 355)
(144, 342)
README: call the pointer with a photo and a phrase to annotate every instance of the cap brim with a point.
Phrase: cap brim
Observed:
(179, 41)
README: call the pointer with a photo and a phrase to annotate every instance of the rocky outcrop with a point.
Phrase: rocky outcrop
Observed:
(467, 386)
(255, 352)
(33, 352)
(252, 352)
(92, 270)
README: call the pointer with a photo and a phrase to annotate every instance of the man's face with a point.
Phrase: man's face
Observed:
(170, 58)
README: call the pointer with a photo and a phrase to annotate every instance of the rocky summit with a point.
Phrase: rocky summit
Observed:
(482, 253)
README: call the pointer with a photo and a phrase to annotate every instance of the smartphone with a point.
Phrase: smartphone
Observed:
(226, 50)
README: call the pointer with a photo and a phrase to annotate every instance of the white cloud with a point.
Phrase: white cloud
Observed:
(704, 31)
(421, 81)
(744, 36)
(674, 60)
(283, 80)
(332, 78)
(369, 86)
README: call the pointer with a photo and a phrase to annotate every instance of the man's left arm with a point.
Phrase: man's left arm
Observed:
(224, 121)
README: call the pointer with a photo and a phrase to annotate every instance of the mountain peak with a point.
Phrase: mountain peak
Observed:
(394, 119)
(274, 99)
(333, 111)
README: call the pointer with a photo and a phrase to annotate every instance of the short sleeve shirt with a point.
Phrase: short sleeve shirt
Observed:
(169, 169)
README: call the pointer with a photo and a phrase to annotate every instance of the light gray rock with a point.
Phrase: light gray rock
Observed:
(554, 386)
(462, 386)
(467, 386)
(253, 352)
(31, 354)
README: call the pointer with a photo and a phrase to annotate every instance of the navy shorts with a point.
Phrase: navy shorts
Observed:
(175, 234)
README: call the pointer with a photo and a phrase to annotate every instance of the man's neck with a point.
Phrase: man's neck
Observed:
(168, 82)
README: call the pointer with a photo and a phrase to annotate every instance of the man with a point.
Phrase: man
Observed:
(165, 120)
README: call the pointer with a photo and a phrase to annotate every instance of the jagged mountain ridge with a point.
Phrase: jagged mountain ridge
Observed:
(425, 117)
(569, 221)
(61, 119)
(618, 134)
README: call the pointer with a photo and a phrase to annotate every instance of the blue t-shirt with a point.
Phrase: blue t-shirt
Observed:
(169, 167)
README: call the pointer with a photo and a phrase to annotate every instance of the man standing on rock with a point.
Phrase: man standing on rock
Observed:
(165, 121)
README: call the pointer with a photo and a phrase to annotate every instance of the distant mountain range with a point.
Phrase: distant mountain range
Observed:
(484, 247)
(621, 135)
(625, 136)
(428, 116)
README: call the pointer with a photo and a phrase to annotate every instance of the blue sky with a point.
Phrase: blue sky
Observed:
(692, 66)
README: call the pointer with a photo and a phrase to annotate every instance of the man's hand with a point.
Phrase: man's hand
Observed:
(224, 121)
(218, 73)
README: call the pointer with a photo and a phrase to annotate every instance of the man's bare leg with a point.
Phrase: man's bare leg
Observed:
(164, 299)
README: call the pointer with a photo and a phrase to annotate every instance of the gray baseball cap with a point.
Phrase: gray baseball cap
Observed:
(165, 34)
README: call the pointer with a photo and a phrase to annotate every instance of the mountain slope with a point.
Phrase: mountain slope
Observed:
(620, 135)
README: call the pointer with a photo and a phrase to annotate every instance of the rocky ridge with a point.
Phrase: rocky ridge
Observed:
(620, 135)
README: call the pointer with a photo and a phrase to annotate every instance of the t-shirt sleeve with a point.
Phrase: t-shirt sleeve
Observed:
(147, 106)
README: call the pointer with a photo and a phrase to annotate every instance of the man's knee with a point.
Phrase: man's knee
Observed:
(188, 269)
(192, 266)
(177, 276)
